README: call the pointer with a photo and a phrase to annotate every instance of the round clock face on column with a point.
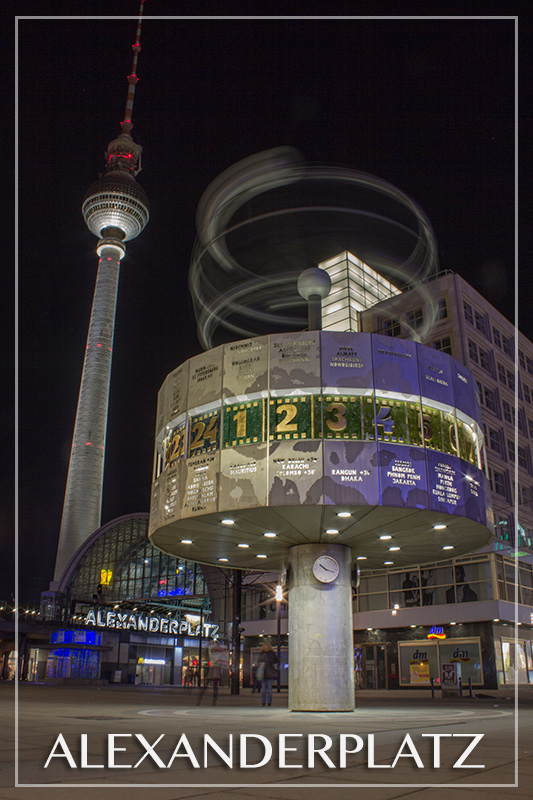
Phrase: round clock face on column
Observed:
(325, 569)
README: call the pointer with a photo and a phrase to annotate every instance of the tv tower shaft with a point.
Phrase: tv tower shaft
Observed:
(116, 210)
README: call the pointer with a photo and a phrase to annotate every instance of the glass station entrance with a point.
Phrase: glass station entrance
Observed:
(370, 666)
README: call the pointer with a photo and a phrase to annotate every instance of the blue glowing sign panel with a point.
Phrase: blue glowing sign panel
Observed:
(464, 390)
(395, 365)
(403, 476)
(351, 473)
(347, 361)
(435, 375)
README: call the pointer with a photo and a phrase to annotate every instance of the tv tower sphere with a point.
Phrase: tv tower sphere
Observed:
(116, 201)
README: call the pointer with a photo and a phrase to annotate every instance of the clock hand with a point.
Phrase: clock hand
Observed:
(327, 570)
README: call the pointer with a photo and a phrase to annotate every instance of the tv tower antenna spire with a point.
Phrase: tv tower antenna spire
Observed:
(116, 210)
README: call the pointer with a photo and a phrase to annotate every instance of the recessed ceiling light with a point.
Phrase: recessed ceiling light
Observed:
(261, 555)
(453, 623)
(223, 559)
(370, 629)
(439, 527)
(228, 521)
(448, 547)
(243, 545)
(269, 535)
(413, 626)
(496, 619)
(388, 562)
(361, 558)
(186, 541)
(332, 531)
(344, 514)
(386, 536)
(394, 548)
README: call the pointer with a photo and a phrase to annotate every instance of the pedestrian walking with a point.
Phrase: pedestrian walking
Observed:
(267, 670)
(218, 662)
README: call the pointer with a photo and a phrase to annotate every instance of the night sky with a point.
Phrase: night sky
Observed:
(426, 104)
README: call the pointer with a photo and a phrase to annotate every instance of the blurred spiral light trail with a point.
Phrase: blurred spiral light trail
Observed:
(271, 216)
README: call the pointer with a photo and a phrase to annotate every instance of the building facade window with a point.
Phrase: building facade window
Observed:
(499, 483)
(469, 312)
(502, 374)
(511, 380)
(392, 327)
(508, 412)
(522, 457)
(530, 426)
(527, 393)
(496, 335)
(507, 346)
(415, 318)
(444, 345)
(484, 359)
(442, 309)
(490, 399)
(522, 359)
(480, 322)
(494, 440)
(529, 362)
(472, 351)
(511, 450)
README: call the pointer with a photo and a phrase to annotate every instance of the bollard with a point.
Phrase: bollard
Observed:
(432, 688)
(460, 687)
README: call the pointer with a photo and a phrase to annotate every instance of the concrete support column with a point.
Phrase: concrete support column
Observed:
(321, 654)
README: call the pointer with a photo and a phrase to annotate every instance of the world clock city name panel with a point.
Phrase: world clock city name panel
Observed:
(320, 418)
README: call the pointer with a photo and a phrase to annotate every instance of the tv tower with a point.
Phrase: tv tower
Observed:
(116, 210)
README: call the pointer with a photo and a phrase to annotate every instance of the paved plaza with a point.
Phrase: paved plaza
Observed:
(183, 749)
